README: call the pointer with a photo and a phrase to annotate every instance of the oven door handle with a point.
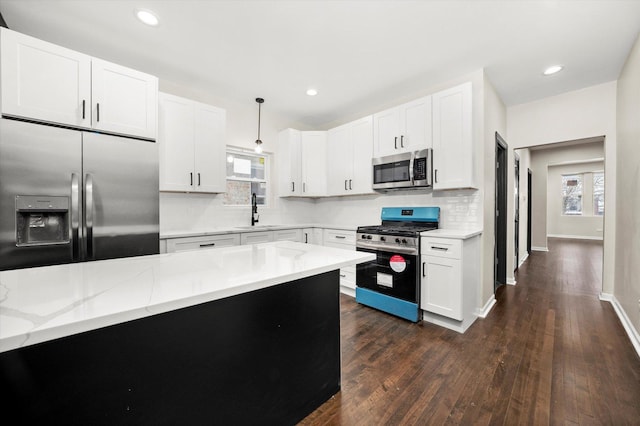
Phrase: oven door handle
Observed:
(384, 249)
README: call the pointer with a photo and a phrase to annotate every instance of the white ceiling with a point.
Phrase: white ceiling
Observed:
(356, 53)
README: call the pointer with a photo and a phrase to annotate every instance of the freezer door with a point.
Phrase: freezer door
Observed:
(121, 193)
(39, 210)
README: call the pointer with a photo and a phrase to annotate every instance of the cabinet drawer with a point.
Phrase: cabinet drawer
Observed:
(288, 235)
(441, 247)
(256, 237)
(197, 243)
(337, 236)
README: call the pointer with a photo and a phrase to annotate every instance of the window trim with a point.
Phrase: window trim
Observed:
(267, 175)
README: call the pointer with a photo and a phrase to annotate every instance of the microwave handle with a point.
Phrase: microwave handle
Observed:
(411, 171)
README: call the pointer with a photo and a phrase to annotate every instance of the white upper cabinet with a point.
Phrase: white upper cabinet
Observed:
(349, 151)
(43, 81)
(192, 145)
(302, 163)
(124, 101)
(49, 83)
(289, 165)
(404, 128)
(314, 172)
(453, 159)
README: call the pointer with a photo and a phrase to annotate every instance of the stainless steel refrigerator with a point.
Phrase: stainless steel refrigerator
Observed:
(70, 196)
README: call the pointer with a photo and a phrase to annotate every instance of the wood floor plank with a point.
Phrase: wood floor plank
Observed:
(549, 352)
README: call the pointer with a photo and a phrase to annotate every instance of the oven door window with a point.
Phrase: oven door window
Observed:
(391, 172)
(391, 274)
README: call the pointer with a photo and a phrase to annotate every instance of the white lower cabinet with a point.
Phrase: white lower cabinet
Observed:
(312, 236)
(346, 240)
(450, 281)
(196, 243)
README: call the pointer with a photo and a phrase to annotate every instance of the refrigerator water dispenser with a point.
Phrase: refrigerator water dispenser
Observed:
(41, 220)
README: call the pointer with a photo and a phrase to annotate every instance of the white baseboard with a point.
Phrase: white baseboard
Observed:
(539, 248)
(484, 311)
(526, 256)
(511, 281)
(624, 319)
(575, 237)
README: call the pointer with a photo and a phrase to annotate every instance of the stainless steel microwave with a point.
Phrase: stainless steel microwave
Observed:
(403, 171)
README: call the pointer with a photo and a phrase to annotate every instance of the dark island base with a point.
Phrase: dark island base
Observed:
(270, 356)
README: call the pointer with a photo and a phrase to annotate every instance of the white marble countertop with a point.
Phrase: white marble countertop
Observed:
(45, 303)
(452, 233)
(243, 229)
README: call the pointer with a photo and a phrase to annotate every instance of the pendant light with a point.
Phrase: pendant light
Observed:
(258, 147)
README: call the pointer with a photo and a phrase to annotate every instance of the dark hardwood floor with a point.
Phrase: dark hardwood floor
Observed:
(549, 352)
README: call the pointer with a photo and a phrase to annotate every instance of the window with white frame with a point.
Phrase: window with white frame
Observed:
(598, 193)
(572, 194)
(247, 173)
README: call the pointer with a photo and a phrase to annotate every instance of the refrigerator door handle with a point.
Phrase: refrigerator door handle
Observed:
(75, 217)
(89, 210)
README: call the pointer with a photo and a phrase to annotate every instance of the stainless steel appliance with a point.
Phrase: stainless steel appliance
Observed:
(403, 171)
(69, 195)
(391, 283)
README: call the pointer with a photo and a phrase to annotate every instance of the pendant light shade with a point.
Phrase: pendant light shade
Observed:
(258, 147)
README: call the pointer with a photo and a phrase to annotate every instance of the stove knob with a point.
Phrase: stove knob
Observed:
(383, 239)
(404, 241)
(368, 237)
(398, 240)
(364, 236)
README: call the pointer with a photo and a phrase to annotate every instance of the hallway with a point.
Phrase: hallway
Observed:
(550, 352)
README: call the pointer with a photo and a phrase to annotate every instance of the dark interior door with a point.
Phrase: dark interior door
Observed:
(500, 271)
(516, 216)
(529, 203)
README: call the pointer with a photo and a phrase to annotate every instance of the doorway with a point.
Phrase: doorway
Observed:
(516, 216)
(529, 204)
(500, 270)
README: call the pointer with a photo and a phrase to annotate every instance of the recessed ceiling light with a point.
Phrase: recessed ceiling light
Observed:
(147, 17)
(553, 69)
(312, 92)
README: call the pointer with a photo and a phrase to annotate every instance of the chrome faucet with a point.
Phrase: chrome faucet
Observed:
(254, 209)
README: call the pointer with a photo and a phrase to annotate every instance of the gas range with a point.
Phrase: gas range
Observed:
(400, 229)
(391, 283)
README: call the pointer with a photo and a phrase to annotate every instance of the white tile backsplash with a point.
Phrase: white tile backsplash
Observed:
(460, 209)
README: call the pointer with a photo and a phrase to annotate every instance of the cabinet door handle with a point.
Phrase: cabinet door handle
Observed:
(423, 265)
(402, 141)
(306, 238)
(191, 178)
(293, 187)
(304, 187)
(208, 245)
(340, 237)
(198, 178)
(395, 142)
(97, 112)
(343, 275)
(345, 184)
(350, 184)
(439, 248)
(436, 175)
(83, 107)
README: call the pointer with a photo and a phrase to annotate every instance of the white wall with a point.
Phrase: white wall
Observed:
(580, 114)
(585, 226)
(523, 200)
(494, 119)
(627, 262)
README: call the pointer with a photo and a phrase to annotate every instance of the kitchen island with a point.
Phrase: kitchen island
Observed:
(236, 335)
